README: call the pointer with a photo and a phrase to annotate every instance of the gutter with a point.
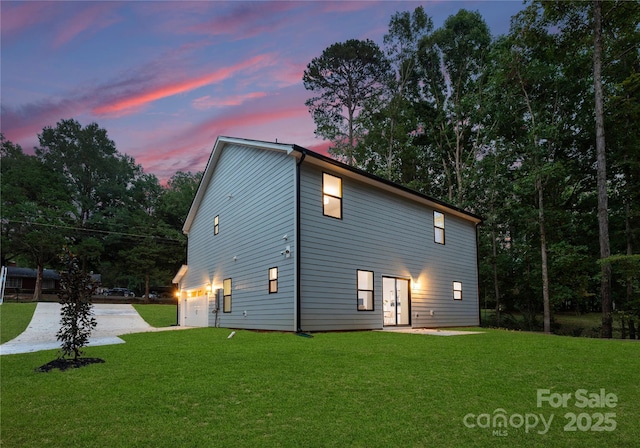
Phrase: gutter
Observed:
(297, 253)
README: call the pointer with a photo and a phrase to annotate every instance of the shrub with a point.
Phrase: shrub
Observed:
(77, 319)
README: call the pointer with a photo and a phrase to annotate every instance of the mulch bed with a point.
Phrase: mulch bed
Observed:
(64, 364)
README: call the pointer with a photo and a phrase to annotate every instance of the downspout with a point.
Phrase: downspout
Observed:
(478, 274)
(297, 252)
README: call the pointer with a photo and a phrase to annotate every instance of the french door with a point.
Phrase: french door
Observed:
(396, 307)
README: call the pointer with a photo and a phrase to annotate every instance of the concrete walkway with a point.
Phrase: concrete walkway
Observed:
(113, 321)
(429, 331)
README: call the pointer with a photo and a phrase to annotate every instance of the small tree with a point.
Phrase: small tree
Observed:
(77, 319)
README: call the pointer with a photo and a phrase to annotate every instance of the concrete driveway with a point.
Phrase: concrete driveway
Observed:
(113, 321)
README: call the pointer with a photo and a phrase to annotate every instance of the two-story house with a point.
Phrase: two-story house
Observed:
(283, 238)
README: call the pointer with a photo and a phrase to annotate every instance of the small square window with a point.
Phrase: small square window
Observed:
(331, 196)
(457, 291)
(216, 226)
(365, 290)
(438, 227)
(226, 292)
(273, 280)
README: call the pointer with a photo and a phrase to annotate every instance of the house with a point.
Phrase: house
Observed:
(24, 279)
(283, 238)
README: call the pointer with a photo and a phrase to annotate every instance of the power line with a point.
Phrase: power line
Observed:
(105, 232)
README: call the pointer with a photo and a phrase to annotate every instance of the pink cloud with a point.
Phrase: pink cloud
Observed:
(247, 19)
(207, 102)
(89, 19)
(345, 6)
(281, 116)
(132, 103)
(17, 17)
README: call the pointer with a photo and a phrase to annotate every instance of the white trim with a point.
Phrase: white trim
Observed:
(181, 272)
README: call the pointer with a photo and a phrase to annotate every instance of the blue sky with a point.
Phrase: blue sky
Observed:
(166, 78)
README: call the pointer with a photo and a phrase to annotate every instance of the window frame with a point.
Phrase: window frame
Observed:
(329, 195)
(438, 229)
(13, 283)
(457, 288)
(216, 224)
(227, 298)
(273, 281)
(359, 290)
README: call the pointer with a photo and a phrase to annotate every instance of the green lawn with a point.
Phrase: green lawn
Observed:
(157, 315)
(14, 318)
(198, 388)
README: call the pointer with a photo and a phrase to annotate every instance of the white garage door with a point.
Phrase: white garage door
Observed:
(196, 312)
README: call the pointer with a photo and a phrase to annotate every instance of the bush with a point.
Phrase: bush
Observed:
(77, 319)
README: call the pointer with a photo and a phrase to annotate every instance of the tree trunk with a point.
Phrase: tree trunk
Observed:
(603, 214)
(495, 274)
(146, 289)
(543, 254)
(37, 291)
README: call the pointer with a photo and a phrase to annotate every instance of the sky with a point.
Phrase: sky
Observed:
(166, 78)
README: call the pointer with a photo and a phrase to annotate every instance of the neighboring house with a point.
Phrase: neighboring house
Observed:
(24, 279)
(283, 238)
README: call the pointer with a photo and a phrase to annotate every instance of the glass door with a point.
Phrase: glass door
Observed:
(396, 307)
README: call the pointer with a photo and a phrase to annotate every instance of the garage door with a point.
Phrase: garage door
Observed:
(196, 312)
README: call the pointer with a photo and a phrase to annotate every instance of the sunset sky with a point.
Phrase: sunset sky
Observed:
(166, 78)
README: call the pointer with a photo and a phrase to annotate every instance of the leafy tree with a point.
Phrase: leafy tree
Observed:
(176, 198)
(607, 33)
(34, 204)
(157, 252)
(393, 119)
(455, 59)
(344, 78)
(98, 178)
(77, 321)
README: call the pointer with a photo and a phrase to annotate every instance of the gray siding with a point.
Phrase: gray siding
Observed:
(390, 236)
(253, 192)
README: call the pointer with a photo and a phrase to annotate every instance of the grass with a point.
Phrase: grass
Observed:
(14, 318)
(158, 316)
(358, 389)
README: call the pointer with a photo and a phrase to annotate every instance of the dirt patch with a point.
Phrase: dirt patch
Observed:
(64, 364)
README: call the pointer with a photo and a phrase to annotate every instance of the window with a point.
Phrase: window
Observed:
(273, 280)
(331, 196)
(216, 226)
(457, 291)
(438, 227)
(13, 282)
(365, 290)
(226, 292)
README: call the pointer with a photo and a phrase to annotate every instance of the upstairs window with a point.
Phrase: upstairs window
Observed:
(273, 280)
(457, 291)
(216, 224)
(438, 227)
(226, 293)
(365, 290)
(331, 196)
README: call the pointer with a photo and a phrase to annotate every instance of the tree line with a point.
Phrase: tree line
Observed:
(537, 130)
(78, 192)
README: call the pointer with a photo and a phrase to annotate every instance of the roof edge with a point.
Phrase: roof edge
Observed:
(357, 171)
(219, 145)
